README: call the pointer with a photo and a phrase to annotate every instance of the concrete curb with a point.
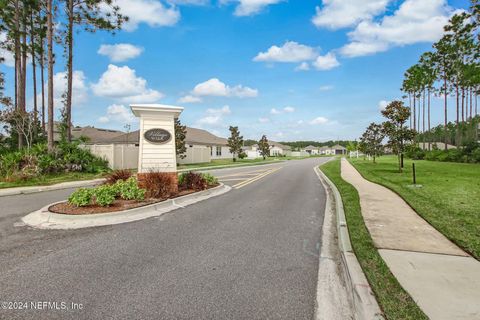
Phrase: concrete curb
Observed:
(59, 186)
(44, 219)
(364, 303)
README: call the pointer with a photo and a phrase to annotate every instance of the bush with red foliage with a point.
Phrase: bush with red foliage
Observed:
(159, 185)
(117, 175)
(192, 181)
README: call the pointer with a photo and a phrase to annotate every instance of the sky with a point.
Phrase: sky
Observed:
(289, 69)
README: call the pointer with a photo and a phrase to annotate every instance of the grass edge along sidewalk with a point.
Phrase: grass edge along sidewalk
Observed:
(448, 199)
(394, 301)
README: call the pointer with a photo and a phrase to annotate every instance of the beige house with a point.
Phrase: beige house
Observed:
(276, 149)
(122, 150)
(312, 150)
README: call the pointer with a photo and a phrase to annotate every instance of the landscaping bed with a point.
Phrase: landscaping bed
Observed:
(123, 191)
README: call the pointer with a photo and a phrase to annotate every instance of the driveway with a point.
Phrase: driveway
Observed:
(249, 254)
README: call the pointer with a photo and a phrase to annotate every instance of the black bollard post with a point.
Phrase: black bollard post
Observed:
(414, 174)
(401, 160)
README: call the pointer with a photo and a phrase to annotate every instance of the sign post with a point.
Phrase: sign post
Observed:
(157, 137)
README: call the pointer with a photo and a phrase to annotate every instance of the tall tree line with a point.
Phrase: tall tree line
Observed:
(33, 29)
(451, 69)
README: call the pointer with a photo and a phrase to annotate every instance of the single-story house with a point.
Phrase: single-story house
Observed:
(336, 149)
(202, 146)
(276, 149)
(312, 150)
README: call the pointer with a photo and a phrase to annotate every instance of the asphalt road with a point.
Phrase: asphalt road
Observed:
(249, 254)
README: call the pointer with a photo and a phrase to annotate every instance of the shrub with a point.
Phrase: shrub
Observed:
(81, 197)
(117, 175)
(105, 195)
(211, 180)
(192, 180)
(129, 190)
(415, 152)
(158, 185)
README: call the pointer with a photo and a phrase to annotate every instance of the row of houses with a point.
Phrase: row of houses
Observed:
(334, 150)
(121, 149)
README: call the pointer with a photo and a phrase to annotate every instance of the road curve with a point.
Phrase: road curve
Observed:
(249, 254)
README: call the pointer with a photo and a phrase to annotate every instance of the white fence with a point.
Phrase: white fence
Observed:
(196, 154)
(118, 156)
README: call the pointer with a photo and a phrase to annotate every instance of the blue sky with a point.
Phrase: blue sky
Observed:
(244, 62)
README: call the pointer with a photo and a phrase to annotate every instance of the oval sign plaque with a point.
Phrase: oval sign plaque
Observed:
(157, 135)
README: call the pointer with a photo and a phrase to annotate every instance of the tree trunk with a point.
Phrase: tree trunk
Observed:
(414, 112)
(34, 69)
(445, 110)
(50, 75)
(42, 78)
(68, 106)
(429, 128)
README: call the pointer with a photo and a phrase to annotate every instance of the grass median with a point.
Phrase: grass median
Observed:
(448, 197)
(394, 301)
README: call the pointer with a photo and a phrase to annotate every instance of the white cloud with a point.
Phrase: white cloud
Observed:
(326, 62)
(335, 14)
(118, 113)
(250, 7)
(290, 52)
(151, 12)
(120, 52)
(222, 111)
(319, 120)
(215, 87)
(214, 117)
(326, 88)
(415, 21)
(382, 104)
(79, 89)
(189, 99)
(122, 83)
(263, 120)
(284, 110)
(304, 66)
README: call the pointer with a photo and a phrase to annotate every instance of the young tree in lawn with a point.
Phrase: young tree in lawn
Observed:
(264, 147)
(180, 135)
(396, 130)
(373, 138)
(235, 142)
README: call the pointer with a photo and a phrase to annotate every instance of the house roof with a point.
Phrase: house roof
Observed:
(338, 147)
(279, 145)
(324, 148)
(193, 136)
(95, 135)
(310, 147)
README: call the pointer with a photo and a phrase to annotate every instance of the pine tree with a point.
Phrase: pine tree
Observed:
(180, 135)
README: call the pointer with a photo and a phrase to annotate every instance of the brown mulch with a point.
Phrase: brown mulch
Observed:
(117, 205)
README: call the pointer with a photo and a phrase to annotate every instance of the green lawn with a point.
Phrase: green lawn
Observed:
(51, 179)
(449, 198)
(395, 302)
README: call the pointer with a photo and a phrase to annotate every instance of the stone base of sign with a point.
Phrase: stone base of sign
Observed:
(173, 181)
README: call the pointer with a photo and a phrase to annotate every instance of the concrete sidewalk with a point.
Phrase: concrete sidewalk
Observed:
(440, 277)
